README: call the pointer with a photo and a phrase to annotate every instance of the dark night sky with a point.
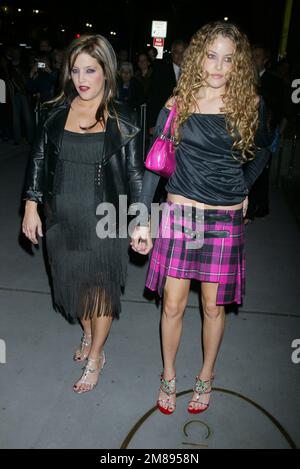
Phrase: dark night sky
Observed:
(131, 19)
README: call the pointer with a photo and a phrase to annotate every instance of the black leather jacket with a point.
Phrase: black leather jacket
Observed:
(120, 173)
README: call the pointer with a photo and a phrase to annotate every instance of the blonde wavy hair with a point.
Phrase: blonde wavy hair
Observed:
(240, 97)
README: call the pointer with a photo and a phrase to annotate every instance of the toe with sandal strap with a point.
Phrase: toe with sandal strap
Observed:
(202, 387)
(168, 387)
(85, 384)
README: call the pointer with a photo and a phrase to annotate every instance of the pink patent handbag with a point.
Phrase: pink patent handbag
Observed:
(161, 156)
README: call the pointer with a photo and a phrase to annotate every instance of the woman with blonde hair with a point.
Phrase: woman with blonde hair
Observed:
(87, 153)
(219, 125)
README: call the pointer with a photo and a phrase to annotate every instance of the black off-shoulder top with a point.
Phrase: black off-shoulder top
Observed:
(207, 169)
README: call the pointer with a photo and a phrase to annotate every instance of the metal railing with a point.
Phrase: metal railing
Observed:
(143, 125)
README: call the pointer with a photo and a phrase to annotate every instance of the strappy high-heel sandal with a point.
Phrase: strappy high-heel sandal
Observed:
(168, 387)
(201, 388)
(89, 369)
(80, 355)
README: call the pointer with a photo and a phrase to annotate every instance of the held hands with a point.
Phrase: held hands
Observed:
(141, 241)
(32, 225)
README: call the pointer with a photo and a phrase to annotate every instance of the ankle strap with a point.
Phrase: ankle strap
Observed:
(202, 386)
(168, 386)
(98, 358)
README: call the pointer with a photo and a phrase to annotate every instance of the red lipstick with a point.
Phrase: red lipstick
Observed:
(84, 88)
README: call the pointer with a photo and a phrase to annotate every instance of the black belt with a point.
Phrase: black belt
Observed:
(215, 217)
(199, 234)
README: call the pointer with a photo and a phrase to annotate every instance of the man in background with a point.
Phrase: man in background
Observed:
(164, 79)
(272, 91)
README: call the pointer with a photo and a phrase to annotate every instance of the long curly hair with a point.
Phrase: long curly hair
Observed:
(240, 97)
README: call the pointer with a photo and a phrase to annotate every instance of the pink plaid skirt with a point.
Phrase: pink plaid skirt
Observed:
(205, 245)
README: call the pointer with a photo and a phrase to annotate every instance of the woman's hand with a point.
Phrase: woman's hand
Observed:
(32, 225)
(245, 206)
(141, 241)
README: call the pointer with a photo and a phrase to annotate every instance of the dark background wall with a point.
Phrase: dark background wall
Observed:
(131, 19)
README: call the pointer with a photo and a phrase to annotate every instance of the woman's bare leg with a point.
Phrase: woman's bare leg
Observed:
(85, 347)
(100, 328)
(213, 331)
(87, 326)
(175, 299)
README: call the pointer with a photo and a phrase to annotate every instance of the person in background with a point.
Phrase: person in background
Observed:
(18, 95)
(271, 88)
(122, 56)
(163, 80)
(6, 118)
(42, 80)
(152, 53)
(144, 72)
(130, 90)
(57, 59)
(45, 48)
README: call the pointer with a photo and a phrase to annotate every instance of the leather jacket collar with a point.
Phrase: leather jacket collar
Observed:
(115, 138)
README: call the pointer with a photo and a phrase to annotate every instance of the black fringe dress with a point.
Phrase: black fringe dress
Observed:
(88, 273)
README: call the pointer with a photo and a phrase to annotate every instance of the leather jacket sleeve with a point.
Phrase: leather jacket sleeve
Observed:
(135, 165)
(34, 182)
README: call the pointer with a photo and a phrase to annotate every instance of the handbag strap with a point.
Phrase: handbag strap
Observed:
(168, 122)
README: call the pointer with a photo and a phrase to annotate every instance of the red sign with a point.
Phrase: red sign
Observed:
(158, 42)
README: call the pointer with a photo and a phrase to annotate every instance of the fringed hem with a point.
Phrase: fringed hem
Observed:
(87, 301)
(89, 283)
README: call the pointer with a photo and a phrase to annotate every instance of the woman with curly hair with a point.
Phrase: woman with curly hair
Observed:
(219, 127)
